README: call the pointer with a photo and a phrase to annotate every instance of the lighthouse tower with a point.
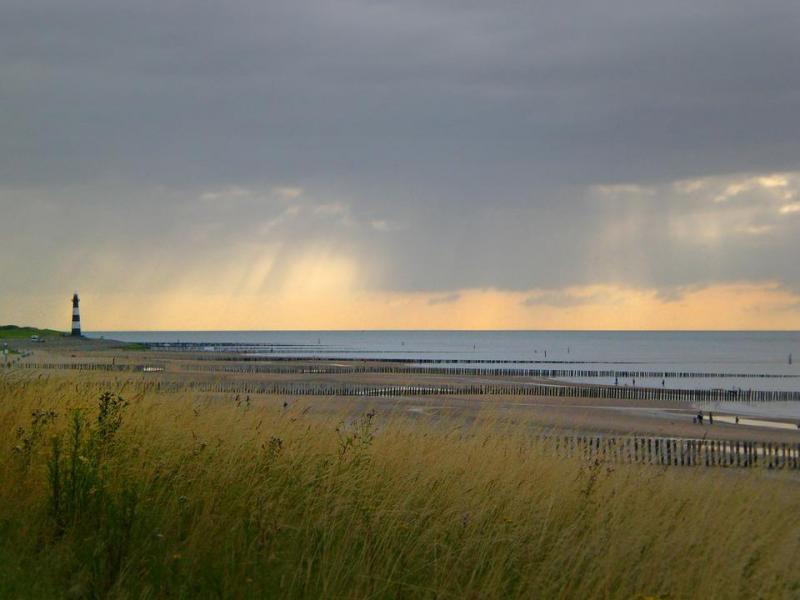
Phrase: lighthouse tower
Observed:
(76, 316)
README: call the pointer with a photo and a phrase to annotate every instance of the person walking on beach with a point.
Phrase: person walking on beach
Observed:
(700, 417)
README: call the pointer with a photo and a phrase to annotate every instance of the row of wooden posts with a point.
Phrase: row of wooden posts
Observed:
(629, 449)
(355, 369)
(382, 367)
(470, 371)
(504, 388)
(245, 353)
(482, 389)
(677, 451)
(82, 366)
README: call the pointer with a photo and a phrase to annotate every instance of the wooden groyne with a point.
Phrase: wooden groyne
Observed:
(556, 389)
(562, 390)
(478, 389)
(646, 450)
(404, 369)
(676, 451)
(108, 367)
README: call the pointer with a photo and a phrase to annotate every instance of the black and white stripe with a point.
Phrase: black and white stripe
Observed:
(76, 315)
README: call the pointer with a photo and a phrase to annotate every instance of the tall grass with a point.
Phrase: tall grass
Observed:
(147, 495)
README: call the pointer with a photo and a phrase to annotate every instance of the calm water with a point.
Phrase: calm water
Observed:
(762, 353)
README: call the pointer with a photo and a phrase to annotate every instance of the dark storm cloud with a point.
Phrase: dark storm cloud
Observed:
(454, 143)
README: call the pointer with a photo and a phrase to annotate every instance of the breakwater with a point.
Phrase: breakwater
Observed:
(413, 369)
(554, 389)
(479, 389)
(377, 367)
(676, 451)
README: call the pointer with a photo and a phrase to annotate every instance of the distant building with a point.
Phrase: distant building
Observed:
(76, 316)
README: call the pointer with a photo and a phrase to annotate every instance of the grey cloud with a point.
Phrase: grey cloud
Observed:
(449, 144)
(572, 91)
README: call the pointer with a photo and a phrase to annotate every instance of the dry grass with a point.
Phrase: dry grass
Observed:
(180, 496)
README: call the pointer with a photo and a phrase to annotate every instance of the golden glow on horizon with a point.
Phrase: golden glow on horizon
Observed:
(283, 276)
(329, 304)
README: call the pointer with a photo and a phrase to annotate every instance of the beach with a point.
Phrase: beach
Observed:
(114, 361)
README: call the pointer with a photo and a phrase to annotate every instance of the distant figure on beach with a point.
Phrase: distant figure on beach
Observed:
(700, 417)
(737, 419)
(663, 383)
(710, 418)
(634, 383)
(616, 380)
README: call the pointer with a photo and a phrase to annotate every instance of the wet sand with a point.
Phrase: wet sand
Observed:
(584, 415)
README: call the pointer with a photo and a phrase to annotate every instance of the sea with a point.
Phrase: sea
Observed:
(743, 360)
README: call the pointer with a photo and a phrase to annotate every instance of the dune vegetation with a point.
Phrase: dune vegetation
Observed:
(130, 493)
(15, 332)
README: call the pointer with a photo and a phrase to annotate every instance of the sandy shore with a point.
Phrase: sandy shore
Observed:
(588, 415)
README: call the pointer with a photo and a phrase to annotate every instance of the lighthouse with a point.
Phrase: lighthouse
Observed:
(76, 316)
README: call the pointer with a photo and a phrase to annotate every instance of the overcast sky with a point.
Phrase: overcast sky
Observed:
(259, 164)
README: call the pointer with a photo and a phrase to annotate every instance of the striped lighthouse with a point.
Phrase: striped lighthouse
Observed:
(76, 315)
